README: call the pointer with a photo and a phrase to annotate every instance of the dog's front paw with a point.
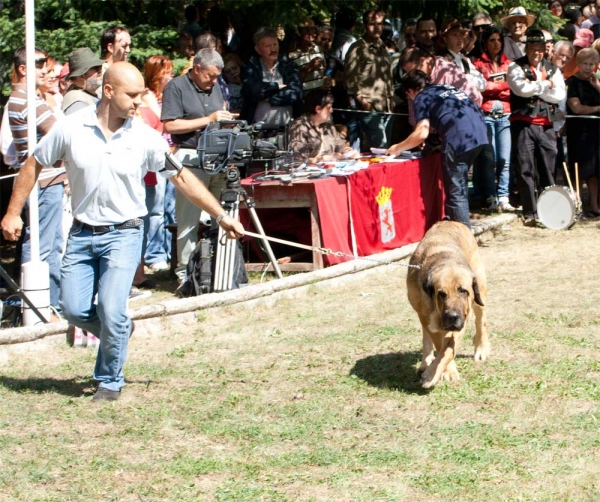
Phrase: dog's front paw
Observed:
(482, 352)
(429, 379)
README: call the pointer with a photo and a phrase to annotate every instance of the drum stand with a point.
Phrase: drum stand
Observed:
(225, 255)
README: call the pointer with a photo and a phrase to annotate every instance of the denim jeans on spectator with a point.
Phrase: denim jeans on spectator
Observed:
(377, 128)
(102, 264)
(455, 171)
(170, 218)
(50, 208)
(154, 250)
(499, 137)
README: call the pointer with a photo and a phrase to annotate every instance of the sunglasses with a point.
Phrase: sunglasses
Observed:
(40, 62)
(481, 27)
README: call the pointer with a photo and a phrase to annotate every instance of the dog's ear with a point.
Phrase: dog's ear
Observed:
(428, 286)
(476, 292)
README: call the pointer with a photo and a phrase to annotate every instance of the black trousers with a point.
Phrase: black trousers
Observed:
(534, 155)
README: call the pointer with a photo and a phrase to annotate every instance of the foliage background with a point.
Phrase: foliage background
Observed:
(63, 25)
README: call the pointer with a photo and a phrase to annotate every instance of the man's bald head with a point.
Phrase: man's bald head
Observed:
(121, 73)
(122, 89)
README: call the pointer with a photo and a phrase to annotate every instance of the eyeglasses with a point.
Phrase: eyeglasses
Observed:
(40, 62)
(481, 27)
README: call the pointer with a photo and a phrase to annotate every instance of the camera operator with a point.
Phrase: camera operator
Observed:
(190, 103)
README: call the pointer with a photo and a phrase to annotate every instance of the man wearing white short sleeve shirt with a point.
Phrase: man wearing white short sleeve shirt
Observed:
(106, 154)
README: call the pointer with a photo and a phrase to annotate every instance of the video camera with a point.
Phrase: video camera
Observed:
(233, 142)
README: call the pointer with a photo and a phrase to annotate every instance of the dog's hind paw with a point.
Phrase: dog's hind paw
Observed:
(482, 353)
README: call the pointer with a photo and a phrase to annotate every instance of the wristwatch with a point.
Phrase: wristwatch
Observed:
(220, 217)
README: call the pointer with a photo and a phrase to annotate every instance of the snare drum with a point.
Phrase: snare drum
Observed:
(558, 208)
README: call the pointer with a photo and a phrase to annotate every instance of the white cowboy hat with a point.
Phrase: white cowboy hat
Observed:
(518, 12)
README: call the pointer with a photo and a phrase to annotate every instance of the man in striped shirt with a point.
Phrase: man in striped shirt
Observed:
(51, 181)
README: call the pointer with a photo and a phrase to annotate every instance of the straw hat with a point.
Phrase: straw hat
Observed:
(517, 12)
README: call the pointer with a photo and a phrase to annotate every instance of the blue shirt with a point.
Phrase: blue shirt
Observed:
(453, 115)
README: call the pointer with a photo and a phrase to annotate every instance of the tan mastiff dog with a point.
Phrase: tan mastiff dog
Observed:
(448, 285)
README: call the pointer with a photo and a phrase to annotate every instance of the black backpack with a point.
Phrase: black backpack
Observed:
(199, 272)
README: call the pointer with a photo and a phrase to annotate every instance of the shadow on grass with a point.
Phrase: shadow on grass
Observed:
(396, 371)
(75, 387)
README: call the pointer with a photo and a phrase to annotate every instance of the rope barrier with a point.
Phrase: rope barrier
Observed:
(369, 113)
(348, 110)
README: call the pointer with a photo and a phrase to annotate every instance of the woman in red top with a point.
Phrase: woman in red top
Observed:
(493, 65)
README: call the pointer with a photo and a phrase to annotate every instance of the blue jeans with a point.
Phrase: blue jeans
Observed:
(499, 137)
(169, 216)
(455, 170)
(102, 264)
(377, 127)
(50, 207)
(155, 250)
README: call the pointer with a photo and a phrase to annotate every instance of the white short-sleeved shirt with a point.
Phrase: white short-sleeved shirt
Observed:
(105, 176)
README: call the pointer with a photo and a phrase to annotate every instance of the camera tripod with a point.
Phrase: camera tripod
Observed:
(21, 294)
(225, 255)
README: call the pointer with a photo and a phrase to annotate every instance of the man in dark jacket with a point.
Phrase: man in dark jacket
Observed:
(271, 86)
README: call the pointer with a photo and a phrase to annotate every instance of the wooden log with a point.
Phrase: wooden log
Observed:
(212, 300)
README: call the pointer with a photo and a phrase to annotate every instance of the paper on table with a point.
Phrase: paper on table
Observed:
(378, 151)
(344, 169)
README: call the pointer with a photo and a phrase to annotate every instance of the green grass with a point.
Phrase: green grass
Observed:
(316, 398)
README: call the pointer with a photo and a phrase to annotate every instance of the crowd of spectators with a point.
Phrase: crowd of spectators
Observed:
(322, 73)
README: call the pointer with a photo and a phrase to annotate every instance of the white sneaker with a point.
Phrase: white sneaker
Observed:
(158, 266)
(504, 206)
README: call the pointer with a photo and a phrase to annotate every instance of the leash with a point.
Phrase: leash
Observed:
(327, 251)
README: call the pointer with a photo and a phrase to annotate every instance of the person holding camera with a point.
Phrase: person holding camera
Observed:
(107, 152)
(190, 103)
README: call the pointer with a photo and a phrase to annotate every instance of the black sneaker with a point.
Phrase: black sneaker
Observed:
(533, 222)
(103, 394)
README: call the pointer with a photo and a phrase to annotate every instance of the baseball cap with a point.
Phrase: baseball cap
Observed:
(81, 60)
